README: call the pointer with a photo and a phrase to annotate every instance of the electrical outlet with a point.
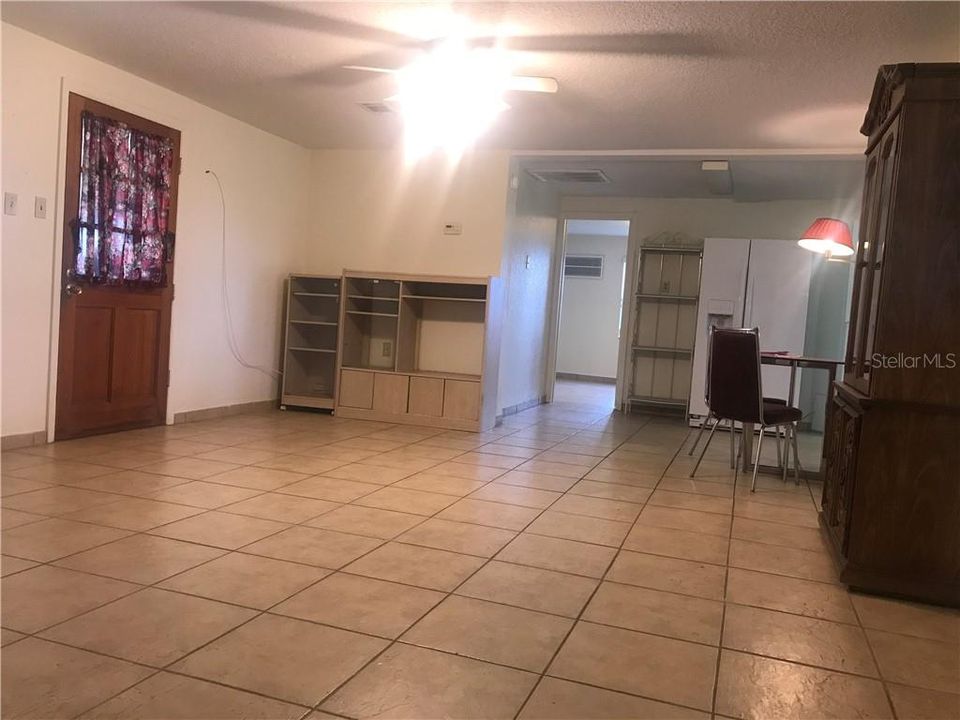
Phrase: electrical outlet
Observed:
(386, 349)
(453, 228)
(40, 207)
(9, 203)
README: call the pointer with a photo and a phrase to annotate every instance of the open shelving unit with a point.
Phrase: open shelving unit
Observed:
(419, 350)
(664, 323)
(311, 340)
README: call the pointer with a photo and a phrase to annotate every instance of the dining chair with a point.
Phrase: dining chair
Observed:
(736, 392)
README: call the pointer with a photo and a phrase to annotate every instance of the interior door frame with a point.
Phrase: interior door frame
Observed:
(556, 295)
(106, 95)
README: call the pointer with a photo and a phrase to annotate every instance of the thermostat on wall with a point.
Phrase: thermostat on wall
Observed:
(452, 228)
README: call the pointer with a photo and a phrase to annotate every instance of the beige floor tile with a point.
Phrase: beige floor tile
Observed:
(257, 478)
(249, 580)
(826, 644)
(545, 467)
(8, 637)
(793, 595)
(10, 565)
(580, 527)
(371, 522)
(917, 704)
(772, 533)
(284, 658)
(671, 574)
(691, 501)
(189, 467)
(611, 491)
(801, 517)
(416, 502)
(917, 662)
(46, 680)
(410, 682)
(300, 463)
(906, 618)
(370, 474)
(647, 479)
(44, 596)
(238, 455)
(563, 700)
(440, 484)
(655, 667)
(141, 558)
(59, 471)
(516, 495)
(423, 567)
(134, 514)
(52, 539)
(57, 500)
(175, 697)
(179, 446)
(689, 520)
(203, 494)
(468, 472)
(282, 508)
(220, 529)
(782, 494)
(314, 546)
(758, 688)
(494, 514)
(681, 544)
(11, 460)
(465, 538)
(499, 448)
(529, 587)
(362, 604)
(497, 633)
(656, 612)
(556, 554)
(537, 481)
(128, 459)
(330, 489)
(598, 507)
(504, 462)
(569, 457)
(696, 485)
(130, 483)
(13, 485)
(794, 562)
(154, 627)
(16, 518)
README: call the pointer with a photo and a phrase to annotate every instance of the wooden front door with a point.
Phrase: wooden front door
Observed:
(112, 372)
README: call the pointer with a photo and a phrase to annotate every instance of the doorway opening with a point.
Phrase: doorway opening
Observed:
(592, 282)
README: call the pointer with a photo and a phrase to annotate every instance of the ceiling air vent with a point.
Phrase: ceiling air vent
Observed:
(583, 266)
(376, 107)
(570, 176)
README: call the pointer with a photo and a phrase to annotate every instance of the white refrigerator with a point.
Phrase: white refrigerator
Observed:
(752, 283)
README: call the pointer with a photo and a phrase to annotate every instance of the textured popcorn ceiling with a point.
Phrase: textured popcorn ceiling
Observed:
(784, 76)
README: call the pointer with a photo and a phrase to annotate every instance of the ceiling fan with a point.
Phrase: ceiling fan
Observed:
(521, 83)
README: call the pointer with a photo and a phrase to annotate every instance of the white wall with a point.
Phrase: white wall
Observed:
(528, 259)
(265, 180)
(369, 210)
(589, 342)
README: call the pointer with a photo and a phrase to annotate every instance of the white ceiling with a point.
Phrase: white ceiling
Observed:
(753, 179)
(633, 75)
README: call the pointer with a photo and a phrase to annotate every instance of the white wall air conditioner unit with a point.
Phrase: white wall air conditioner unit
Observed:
(569, 176)
(583, 266)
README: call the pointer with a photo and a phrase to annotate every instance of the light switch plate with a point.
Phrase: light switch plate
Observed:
(9, 203)
(39, 207)
(452, 228)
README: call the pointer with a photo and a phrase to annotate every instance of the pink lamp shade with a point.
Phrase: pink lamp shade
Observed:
(829, 237)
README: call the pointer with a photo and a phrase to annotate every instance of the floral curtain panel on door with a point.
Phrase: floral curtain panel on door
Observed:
(121, 234)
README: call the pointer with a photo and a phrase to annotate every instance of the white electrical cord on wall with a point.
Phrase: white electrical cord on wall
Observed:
(224, 295)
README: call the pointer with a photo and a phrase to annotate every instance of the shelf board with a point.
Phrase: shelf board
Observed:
(314, 322)
(301, 293)
(672, 351)
(374, 297)
(377, 314)
(445, 298)
(675, 298)
(316, 350)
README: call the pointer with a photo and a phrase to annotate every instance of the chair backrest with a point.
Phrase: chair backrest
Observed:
(736, 391)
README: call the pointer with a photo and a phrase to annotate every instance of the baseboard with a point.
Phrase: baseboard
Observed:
(13, 442)
(520, 407)
(225, 411)
(586, 378)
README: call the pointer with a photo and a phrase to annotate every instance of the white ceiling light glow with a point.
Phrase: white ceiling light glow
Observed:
(450, 96)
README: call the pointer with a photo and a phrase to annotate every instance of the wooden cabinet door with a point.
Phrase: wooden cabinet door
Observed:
(841, 467)
(461, 399)
(426, 396)
(356, 389)
(390, 393)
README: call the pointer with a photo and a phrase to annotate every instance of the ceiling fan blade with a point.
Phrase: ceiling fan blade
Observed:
(370, 68)
(531, 83)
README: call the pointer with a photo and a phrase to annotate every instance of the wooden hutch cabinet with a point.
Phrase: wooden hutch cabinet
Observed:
(891, 497)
